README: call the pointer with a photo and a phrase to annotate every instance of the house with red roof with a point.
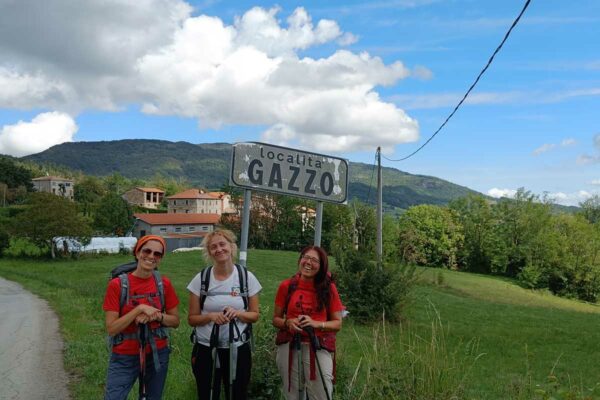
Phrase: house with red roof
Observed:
(172, 225)
(194, 201)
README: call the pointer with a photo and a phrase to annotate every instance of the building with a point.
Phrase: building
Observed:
(194, 201)
(55, 185)
(174, 225)
(227, 206)
(144, 197)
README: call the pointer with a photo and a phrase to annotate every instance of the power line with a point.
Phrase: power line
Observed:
(515, 22)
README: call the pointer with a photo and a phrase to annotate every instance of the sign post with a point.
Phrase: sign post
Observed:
(281, 170)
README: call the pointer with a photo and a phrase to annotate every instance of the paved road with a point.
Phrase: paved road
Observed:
(31, 360)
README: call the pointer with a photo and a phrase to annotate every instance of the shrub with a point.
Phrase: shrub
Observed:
(22, 247)
(367, 291)
(266, 382)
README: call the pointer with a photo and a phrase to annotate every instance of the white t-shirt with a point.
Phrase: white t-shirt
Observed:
(217, 303)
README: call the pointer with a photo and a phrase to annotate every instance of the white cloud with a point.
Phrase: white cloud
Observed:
(586, 159)
(154, 53)
(595, 182)
(498, 193)
(543, 148)
(570, 199)
(422, 72)
(43, 132)
(568, 142)
(249, 73)
(443, 100)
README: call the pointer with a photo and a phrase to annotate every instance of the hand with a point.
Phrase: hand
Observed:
(142, 319)
(219, 318)
(149, 311)
(231, 313)
(293, 325)
(306, 321)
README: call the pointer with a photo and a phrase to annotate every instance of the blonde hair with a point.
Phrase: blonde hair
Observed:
(225, 233)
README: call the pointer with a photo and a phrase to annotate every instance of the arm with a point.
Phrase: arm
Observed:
(280, 322)
(115, 324)
(196, 318)
(170, 318)
(333, 324)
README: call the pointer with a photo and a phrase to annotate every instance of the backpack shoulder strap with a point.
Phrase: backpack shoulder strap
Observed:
(161, 289)
(291, 289)
(204, 284)
(243, 277)
(124, 296)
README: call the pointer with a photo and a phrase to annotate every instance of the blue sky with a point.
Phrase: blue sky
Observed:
(340, 77)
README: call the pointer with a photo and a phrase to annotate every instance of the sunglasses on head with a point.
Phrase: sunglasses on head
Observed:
(147, 252)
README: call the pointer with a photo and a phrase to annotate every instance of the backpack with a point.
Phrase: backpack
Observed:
(205, 284)
(121, 272)
(160, 332)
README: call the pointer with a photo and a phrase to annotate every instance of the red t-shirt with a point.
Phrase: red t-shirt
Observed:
(138, 286)
(303, 301)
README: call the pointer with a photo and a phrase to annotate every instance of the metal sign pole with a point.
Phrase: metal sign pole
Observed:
(318, 223)
(245, 227)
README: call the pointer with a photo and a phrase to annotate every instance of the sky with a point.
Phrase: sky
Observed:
(335, 77)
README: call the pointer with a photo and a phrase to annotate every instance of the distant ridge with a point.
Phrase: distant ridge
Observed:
(207, 165)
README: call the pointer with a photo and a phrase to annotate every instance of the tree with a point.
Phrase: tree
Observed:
(88, 193)
(113, 215)
(430, 235)
(523, 234)
(590, 209)
(477, 219)
(14, 175)
(47, 216)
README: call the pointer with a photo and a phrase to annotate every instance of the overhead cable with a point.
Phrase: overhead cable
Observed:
(515, 22)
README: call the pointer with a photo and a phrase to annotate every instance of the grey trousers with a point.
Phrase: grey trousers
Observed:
(314, 388)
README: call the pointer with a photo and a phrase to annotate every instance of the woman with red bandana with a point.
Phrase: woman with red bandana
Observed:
(307, 304)
(142, 309)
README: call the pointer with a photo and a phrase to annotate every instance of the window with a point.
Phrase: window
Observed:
(205, 228)
(163, 230)
(192, 229)
(178, 229)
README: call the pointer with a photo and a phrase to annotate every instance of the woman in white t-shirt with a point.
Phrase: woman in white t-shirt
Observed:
(221, 320)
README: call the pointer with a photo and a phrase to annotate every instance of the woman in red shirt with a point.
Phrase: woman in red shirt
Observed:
(141, 314)
(306, 303)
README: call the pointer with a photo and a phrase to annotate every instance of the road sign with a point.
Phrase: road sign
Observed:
(282, 170)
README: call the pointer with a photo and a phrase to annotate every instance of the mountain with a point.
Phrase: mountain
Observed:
(207, 165)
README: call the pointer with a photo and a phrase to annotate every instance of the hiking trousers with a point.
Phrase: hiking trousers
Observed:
(314, 388)
(202, 368)
(124, 370)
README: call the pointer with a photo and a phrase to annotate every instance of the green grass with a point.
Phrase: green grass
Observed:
(517, 331)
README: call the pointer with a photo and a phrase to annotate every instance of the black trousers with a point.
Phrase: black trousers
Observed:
(202, 367)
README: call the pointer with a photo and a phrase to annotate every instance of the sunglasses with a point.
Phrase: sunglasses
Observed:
(147, 252)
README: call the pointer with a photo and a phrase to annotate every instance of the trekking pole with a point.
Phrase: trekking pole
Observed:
(214, 344)
(314, 343)
(233, 354)
(300, 366)
(142, 330)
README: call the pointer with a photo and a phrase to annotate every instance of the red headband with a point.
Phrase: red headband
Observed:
(147, 238)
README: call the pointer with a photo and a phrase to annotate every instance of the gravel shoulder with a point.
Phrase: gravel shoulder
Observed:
(31, 348)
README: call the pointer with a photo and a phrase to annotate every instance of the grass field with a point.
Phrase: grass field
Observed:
(522, 336)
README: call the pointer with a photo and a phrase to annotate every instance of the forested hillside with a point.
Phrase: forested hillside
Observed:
(207, 165)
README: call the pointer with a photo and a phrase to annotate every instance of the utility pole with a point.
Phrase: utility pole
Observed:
(379, 212)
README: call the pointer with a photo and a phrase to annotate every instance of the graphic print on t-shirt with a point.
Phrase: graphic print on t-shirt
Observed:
(235, 291)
